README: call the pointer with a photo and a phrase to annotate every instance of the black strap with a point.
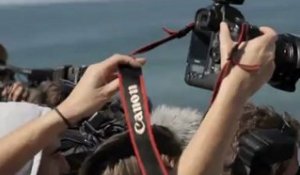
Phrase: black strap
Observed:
(134, 100)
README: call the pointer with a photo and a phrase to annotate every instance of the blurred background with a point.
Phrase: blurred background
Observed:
(50, 33)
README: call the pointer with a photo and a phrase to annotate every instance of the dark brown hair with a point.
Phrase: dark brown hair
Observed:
(52, 93)
(3, 54)
(259, 117)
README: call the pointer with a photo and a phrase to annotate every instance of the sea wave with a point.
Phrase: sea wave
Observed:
(45, 2)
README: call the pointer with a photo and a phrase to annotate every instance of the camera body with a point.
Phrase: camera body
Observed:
(66, 72)
(237, 2)
(203, 62)
(264, 147)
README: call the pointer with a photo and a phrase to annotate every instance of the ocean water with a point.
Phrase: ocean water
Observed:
(51, 33)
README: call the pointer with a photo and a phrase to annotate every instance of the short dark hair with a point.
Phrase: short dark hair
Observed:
(52, 93)
(3, 54)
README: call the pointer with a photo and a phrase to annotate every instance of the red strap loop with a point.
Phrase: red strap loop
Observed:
(233, 62)
(172, 35)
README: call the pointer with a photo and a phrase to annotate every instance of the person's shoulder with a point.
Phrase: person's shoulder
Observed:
(21, 107)
(16, 114)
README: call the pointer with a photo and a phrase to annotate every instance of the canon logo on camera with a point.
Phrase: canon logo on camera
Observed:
(139, 125)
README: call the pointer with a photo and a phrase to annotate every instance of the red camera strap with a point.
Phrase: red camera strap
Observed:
(135, 103)
(172, 35)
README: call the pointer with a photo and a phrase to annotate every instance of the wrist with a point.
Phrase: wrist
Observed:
(233, 92)
(51, 121)
(69, 113)
(66, 121)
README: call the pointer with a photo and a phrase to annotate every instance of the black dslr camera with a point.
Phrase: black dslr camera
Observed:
(261, 148)
(203, 62)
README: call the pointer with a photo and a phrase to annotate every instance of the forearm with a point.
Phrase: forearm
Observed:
(205, 153)
(20, 146)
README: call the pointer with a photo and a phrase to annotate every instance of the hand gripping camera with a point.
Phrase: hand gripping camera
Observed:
(203, 62)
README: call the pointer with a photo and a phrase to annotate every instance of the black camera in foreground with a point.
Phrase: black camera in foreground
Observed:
(262, 148)
(203, 62)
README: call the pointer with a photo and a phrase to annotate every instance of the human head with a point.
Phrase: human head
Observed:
(255, 117)
(129, 166)
(116, 157)
(4, 74)
(3, 55)
(52, 93)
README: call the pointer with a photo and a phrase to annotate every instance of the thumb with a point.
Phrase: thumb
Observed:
(226, 42)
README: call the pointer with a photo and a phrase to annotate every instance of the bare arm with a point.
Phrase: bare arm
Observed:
(21, 145)
(97, 85)
(205, 153)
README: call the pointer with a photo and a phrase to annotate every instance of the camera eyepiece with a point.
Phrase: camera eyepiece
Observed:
(207, 19)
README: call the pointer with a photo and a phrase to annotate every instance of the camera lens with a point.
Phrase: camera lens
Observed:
(287, 51)
(287, 60)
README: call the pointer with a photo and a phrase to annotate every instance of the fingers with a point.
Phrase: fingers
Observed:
(224, 33)
(17, 94)
(226, 42)
(141, 61)
(5, 91)
(268, 31)
(269, 35)
(112, 63)
(25, 94)
(111, 77)
(13, 89)
(111, 88)
(117, 59)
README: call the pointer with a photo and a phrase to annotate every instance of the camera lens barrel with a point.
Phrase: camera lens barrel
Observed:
(287, 51)
(287, 61)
